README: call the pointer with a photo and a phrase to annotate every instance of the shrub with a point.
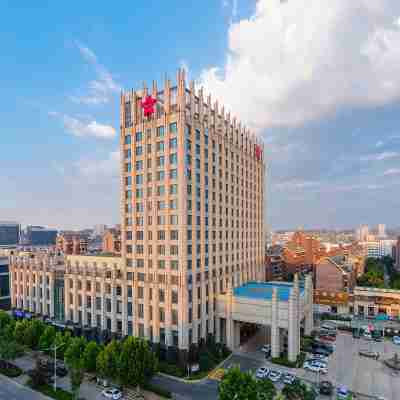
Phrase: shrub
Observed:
(171, 369)
(12, 371)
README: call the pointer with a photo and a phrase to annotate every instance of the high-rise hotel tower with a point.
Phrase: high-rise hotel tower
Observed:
(192, 205)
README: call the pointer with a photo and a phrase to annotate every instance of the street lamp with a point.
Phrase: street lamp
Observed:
(55, 362)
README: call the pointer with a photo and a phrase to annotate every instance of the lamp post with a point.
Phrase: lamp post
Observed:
(55, 362)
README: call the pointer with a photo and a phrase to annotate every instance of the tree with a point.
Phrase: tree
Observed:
(62, 339)
(47, 338)
(136, 364)
(19, 331)
(298, 391)
(5, 320)
(8, 351)
(237, 385)
(90, 354)
(74, 360)
(265, 390)
(107, 362)
(33, 332)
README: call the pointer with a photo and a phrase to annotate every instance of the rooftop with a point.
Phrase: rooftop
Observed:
(263, 290)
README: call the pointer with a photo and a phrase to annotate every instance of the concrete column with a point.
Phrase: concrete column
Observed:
(75, 298)
(93, 294)
(113, 307)
(236, 329)
(51, 290)
(275, 340)
(294, 322)
(218, 338)
(309, 320)
(230, 331)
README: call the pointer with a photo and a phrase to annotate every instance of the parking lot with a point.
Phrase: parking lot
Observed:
(345, 367)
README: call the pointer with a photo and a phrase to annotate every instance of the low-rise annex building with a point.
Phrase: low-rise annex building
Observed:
(283, 307)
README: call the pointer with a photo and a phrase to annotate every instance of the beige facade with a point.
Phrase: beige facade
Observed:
(192, 209)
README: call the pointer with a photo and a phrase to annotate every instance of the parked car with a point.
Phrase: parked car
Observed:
(262, 373)
(320, 357)
(112, 393)
(275, 375)
(315, 368)
(327, 332)
(329, 326)
(266, 349)
(356, 335)
(318, 361)
(370, 354)
(396, 339)
(378, 338)
(320, 351)
(328, 338)
(102, 382)
(326, 387)
(343, 393)
(288, 379)
(367, 336)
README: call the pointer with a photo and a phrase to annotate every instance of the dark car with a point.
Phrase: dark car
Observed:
(370, 354)
(320, 350)
(326, 387)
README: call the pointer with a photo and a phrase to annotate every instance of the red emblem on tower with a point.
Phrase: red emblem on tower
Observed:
(258, 152)
(148, 105)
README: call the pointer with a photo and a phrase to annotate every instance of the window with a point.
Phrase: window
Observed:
(161, 295)
(160, 235)
(174, 235)
(139, 150)
(98, 303)
(160, 131)
(141, 310)
(160, 161)
(139, 179)
(161, 220)
(173, 143)
(173, 158)
(162, 319)
(161, 190)
(148, 148)
(129, 291)
(173, 189)
(161, 264)
(173, 174)
(173, 219)
(173, 204)
(173, 250)
(139, 165)
(128, 154)
(173, 128)
(129, 309)
(128, 139)
(174, 297)
(160, 147)
(174, 316)
(108, 305)
(160, 175)
(138, 136)
(174, 265)
(128, 167)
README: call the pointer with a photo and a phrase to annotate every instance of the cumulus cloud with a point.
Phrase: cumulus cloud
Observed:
(392, 172)
(296, 61)
(386, 155)
(98, 169)
(101, 89)
(85, 128)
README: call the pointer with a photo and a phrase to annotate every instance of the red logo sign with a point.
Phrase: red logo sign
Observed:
(148, 106)
(258, 152)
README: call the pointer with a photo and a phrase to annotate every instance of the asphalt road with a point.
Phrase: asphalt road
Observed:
(9, 390)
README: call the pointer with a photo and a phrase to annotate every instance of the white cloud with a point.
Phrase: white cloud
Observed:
(101, 89)
(296, 61)
(392, 171)
(85, 128)
(297, 184)
(386, 155)
(379, 143)
(95, 170)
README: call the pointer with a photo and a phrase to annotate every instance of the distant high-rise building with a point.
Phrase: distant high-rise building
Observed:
(363, 233)
(381, 231)
(40, 236)
(9, 233)
(396, 254)
(99, 229)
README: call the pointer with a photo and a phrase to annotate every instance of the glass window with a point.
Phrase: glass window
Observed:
(128, 139)
(160, 175)
(139, 165)
(173, 174)
(160, 161)
(128, 180)
(139, 150)
(173, 219)
(173, 204)
(128, 154)
(173, 158)
(173, 143)
(128, 167)
(139, 179)
(138, 136)
(173, 128)
(160, 131)
(160, 147)
(161, 190)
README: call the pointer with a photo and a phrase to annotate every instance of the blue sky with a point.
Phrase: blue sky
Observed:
(320, 84)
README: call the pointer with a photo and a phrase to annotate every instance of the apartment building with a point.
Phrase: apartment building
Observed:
(112, 241)
(192, 193)
(70, 242)
(5, 299)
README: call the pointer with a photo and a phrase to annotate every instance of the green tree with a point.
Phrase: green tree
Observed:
(62, 339)
(136, 364)
(5, 320)
(33, 332)
(298, 391)
(237, 385)
(47, 338)
(8, 351)
(19, 331)
(74, 360)
(265, 390)
(107, 362)
(90, 354)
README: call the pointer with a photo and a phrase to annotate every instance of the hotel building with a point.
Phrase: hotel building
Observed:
(192, 193)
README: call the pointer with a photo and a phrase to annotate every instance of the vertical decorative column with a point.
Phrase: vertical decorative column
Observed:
(294, 321)
(230, 331)
(52, 294)
(75, 298)
(275, 340)
(308, 306)
(93, 295)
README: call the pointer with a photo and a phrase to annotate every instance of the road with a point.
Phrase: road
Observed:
(13, 391)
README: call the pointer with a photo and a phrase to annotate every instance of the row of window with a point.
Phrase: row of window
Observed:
(160, 191)
(160, 162)
(160, 133)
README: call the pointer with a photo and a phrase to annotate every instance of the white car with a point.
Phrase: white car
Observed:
(396, 339)
(288, 379)
(275, 375)
(320, 357)
(262, 373)
(315, 368)
(112, 393)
